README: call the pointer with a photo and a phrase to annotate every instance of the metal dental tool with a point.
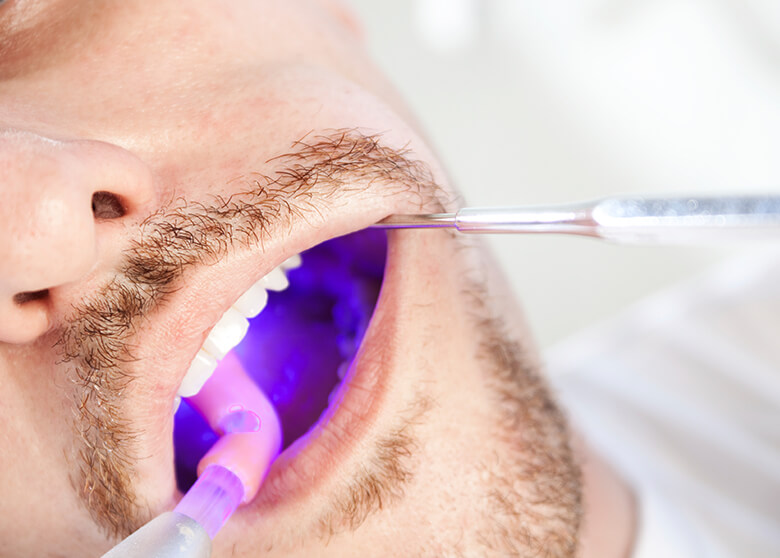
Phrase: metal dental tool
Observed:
(636, 220)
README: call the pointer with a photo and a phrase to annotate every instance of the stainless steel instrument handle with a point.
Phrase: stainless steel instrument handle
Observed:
(692, 219)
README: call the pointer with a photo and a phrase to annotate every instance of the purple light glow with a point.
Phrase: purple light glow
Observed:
(295, 346)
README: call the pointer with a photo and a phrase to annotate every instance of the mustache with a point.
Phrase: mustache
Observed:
(317, 173)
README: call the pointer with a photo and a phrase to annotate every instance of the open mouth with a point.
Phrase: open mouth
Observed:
(306, 322)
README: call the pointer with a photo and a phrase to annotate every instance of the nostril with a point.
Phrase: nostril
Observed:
(21, 298)
(106, 205)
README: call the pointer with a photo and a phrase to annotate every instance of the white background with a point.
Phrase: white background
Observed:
(563, 100)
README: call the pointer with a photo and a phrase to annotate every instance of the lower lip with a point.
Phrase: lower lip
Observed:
(313, 458)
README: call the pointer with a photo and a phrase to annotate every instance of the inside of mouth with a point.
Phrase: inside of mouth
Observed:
(301, 345)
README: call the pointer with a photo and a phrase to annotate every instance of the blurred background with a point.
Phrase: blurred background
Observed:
(565, 100)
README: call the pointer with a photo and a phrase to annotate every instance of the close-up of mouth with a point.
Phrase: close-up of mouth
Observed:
(282, 291)
(296, 333)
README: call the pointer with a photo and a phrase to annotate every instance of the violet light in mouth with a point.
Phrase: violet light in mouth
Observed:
(230, 473)
(299, 346)
(257, 387)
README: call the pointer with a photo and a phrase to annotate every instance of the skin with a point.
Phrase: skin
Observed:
(453, 445)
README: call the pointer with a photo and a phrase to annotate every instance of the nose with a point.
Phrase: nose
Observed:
(60, 200)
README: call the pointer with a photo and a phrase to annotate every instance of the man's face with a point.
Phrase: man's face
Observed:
(158, 158)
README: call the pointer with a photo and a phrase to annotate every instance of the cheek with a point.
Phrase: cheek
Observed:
(37, 457)
(32, 460)
(36, 412)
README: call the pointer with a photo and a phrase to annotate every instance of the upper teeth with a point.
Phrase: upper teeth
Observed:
(276, 280)
(226, 334)
(200, 370)
(292, 262)
(232, 327)
(252, 302)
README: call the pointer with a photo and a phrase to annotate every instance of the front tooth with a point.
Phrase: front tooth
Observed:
(200, 371)
(292, 262)
(276, 280)
(228, 333)
(252, 302)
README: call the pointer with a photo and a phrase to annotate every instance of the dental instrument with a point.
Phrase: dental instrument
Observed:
(230, 473)
(635, 220)
(187, 531)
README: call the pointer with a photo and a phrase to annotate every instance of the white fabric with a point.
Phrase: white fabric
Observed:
(682, 395)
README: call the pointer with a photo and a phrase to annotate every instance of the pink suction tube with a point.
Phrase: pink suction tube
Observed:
(232, 471)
